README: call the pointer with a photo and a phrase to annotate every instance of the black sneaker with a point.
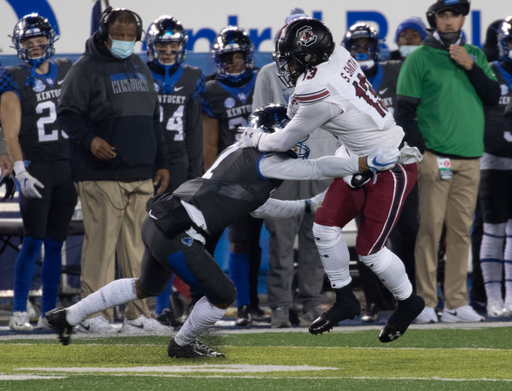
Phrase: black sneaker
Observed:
(167, 318)
(372, 314)
(194, 350)
(346, 306)
(258, 315)
(57, 320)
(406, 311)
(244, 316)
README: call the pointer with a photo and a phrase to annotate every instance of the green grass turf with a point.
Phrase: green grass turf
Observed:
(427, 354)
(136, 383)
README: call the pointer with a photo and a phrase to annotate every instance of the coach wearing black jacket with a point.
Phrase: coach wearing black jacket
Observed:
(109, 109)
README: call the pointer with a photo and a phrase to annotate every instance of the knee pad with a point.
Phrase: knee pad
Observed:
(377, 262)
(326, 236)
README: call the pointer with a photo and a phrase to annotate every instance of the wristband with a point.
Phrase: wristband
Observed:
(19, 167)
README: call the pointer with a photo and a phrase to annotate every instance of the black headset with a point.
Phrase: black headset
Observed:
(105, 15)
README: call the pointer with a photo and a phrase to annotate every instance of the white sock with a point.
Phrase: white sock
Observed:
(491, 260)
(391, 271)
(115, 293)
(508, 263)
(334, 254)
(203, 316)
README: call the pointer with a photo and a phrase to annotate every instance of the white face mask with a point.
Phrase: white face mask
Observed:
(510, 54)
(366, 64)
(405, 50)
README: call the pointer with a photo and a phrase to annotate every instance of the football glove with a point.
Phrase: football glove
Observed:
(27, 182)
(315, 202)
(382, 159)
(250, 138)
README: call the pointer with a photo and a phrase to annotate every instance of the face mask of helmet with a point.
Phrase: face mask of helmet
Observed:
(166, 30)
(122, 49)
(405, 50)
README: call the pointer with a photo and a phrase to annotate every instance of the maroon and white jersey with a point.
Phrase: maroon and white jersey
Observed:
(337, 97)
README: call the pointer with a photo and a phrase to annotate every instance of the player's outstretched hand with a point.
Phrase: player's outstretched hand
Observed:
(382, 159)
(250, 137)
(316, 201)
(28, 185)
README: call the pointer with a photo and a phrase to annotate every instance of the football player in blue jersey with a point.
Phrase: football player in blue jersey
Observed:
(495, 191)
(227, 106)
(180, 90)
(40, 150)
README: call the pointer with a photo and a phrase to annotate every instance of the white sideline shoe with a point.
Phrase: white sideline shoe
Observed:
(143, 325)
(43, 324)
(97, 325)
(20, 321)
(463, 314)
(428, 315)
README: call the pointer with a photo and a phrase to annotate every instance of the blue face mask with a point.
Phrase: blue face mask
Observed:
(122, 49)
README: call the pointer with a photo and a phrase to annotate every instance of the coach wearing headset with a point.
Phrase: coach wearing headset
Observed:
(109, 108)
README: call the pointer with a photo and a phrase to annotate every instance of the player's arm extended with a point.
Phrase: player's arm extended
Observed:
(280, 166)
(306, 120)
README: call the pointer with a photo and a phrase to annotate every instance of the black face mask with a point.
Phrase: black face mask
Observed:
(449, 38)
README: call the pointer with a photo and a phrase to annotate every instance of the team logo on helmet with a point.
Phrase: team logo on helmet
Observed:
(306, 36)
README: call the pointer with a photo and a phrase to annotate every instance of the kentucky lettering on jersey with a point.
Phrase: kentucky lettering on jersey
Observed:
(172, 99)
(242, 110)
(48, 95)
(41, 137)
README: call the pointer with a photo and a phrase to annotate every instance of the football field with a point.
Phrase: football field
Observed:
(433, 357)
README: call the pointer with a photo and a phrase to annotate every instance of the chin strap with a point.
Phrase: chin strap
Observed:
(167, 80)
(32, 77)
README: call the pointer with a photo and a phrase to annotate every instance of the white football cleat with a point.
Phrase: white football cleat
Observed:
(43, 324)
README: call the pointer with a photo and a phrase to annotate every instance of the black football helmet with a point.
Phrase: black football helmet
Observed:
(460, 6)
(300, 45)
(166, 29)
(30, 26)
(273, 118)
(504, 37)
(231, 39)
(361, 30)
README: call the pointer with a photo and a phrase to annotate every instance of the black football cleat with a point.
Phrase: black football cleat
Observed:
(372, 314)
(346, 306)
(406, 311)
(57, 320)
(244, 316)
(167, 318)
(258, 315)
(194, 350)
